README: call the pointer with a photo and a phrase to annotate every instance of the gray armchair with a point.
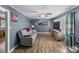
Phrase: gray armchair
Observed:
(27, 40)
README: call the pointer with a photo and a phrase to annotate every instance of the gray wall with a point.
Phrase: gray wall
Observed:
(22, 22)
(41, 28)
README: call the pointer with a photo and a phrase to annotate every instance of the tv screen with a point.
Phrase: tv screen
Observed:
(56, 25)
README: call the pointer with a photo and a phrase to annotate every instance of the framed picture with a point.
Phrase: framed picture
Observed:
(43, 22)
(14, 17)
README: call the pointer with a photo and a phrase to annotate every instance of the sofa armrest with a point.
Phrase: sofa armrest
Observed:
(26, 41)
(19, 34)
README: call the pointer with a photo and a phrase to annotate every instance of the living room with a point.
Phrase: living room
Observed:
(41, 28)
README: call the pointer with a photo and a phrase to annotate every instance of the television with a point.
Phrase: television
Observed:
(56, 25)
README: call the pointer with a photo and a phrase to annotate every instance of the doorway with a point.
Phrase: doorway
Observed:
(4, 30)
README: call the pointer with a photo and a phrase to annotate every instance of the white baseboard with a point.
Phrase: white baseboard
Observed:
(13, 48)
(43, 32)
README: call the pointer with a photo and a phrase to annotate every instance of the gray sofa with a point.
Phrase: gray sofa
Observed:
(27, 40)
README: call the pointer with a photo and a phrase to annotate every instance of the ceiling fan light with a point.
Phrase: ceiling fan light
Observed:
(43, 16)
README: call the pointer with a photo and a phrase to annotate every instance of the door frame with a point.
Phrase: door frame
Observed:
(73, 27)
(7, 37)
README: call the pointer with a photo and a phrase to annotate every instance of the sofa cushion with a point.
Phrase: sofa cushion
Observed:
(27, 36)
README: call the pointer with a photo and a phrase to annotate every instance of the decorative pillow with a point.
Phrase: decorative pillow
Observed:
(27, 29)
(26, 32)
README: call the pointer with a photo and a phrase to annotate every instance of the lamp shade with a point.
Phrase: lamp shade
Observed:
(32, 26)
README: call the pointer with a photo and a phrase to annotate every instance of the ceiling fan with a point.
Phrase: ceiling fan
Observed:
(42, 13)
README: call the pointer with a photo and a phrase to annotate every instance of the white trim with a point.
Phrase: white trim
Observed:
(8, 22)
(13, 48)
(43, 32)
(18, 10)
(67, 10)
(72, 8)
(3, 9)
(56, 16)
(8, 25)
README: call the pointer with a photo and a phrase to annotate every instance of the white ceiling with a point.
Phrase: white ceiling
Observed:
(32, 11)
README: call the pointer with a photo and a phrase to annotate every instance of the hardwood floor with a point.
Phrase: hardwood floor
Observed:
(44, 44)
(2, 45)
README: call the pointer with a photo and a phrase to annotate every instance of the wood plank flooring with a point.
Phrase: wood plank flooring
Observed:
(44, 44)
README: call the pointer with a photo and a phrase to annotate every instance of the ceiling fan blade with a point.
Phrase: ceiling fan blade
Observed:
(49, 13)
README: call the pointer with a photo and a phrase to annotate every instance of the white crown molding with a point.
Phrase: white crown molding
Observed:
(53, 17)
(71, 8)
(18, 10)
